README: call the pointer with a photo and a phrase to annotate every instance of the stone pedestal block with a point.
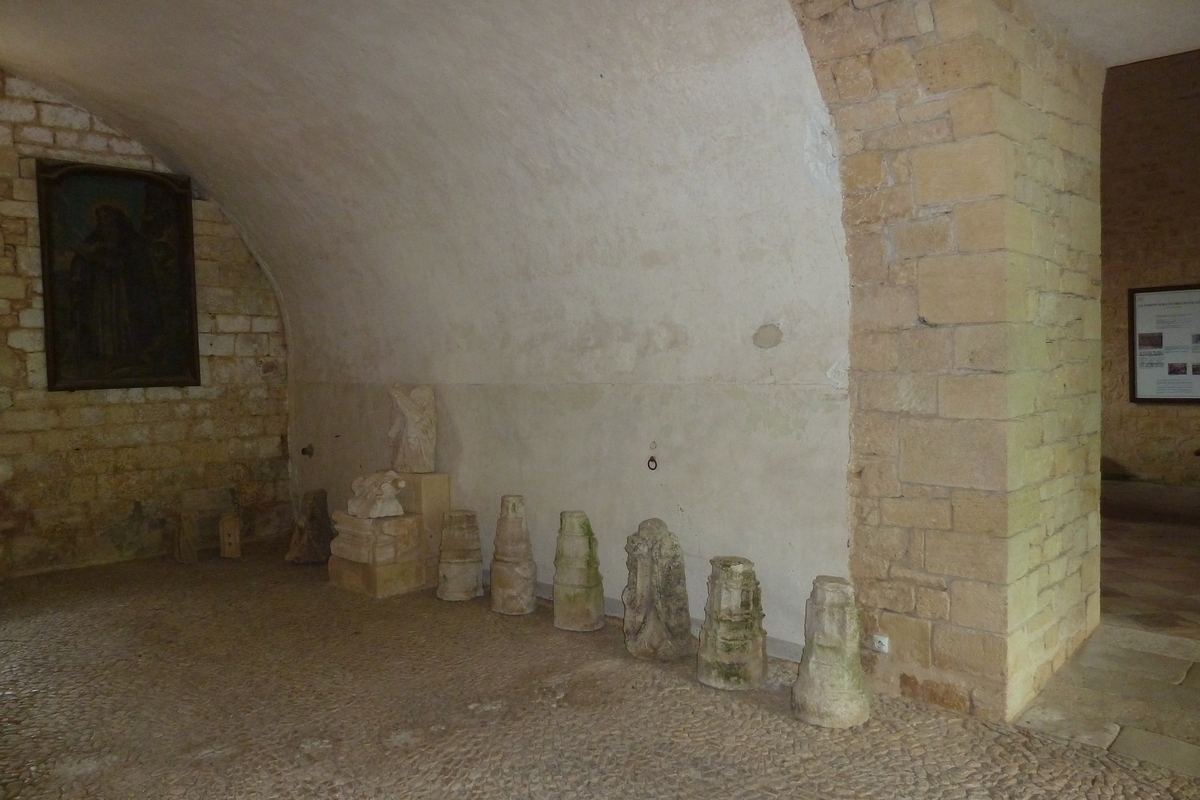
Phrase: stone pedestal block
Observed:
(313, 531)
(831, 689)
(377, 580)
(229, 529)
(657, 623)
(514, 572)
(733, 644)
(428, 494)
(378, 557)
(578, 587)
(460, 564)
(383, 540)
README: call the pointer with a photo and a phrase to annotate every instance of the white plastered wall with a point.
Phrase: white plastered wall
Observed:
(570, 218)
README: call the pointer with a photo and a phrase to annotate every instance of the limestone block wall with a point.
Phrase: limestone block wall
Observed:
(1151, 204)
(969, 153)
(94, 476)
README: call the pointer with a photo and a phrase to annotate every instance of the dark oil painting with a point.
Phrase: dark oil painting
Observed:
(119, 276)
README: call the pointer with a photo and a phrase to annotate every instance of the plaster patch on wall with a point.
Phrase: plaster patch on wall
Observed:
(768, 336)
(838, 374)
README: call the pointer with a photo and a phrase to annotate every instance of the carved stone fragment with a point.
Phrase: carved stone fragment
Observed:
(657, 623)
(184, 543)
(460, 565)
(229, 530)
(831, 689)
(733, 644)
(514, 572)
(414, 428)
(313, 532)
(376, 495)
(578, 587)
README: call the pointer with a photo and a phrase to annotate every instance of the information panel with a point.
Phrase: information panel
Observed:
(1164, 344)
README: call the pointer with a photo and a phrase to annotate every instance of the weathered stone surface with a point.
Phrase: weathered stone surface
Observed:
(377, 580)
(830, 690)
(428, 494)
(578, 586)
(657, 623)
(414, 428)
(184, 548)
(733, 644)
(514, 572)
(313, 531)
(376, 495)
(460, 564)
(229, 530)
(383, 540)
(378, 557)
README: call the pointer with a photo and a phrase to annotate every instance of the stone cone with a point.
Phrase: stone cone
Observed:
(733, 644)
(460, 564)
(831, 688)
(314, 530)
(657, 623)
(514, 572)
(578, 590)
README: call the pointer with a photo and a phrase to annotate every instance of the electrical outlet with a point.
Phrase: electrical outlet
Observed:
(879, 643)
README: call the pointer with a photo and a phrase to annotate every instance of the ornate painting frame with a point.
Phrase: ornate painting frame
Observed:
(119, 277)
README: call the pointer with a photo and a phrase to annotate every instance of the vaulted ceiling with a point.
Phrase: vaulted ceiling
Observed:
(357, 140)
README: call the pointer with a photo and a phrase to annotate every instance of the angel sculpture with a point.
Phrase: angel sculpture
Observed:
(414, 428)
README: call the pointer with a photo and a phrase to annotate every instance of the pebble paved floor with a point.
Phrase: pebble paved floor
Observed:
(256, 679)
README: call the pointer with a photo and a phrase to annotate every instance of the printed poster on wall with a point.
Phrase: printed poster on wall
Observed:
(1164, 344)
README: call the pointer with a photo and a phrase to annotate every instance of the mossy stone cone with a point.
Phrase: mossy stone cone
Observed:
(578, 587)
(733, 644)
(514, 572)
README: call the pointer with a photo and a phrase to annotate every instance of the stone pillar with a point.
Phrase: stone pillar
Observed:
(460, 565)
(733, 644)
(514, 572)
(229, 529)
(969, 150)
(831, 688)
(578, 587)
(657, 623)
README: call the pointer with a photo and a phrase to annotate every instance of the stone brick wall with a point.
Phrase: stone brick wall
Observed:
(93, 476)
(1151, 238)
(969, 143)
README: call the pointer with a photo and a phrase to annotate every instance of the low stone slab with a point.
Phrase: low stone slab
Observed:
(1070, 724)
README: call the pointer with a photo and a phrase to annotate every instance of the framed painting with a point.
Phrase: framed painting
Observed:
(119, 277)
(1164, 344)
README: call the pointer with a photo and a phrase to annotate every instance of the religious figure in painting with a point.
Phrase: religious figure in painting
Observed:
(116, 311)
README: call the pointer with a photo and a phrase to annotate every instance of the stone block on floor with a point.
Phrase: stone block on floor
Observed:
(377, 580)
(1158, 749)
(427, 494)
(1132, 662)
(382, 540)
(1070, 724)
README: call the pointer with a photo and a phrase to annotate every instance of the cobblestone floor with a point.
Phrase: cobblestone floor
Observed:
(256, 679)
